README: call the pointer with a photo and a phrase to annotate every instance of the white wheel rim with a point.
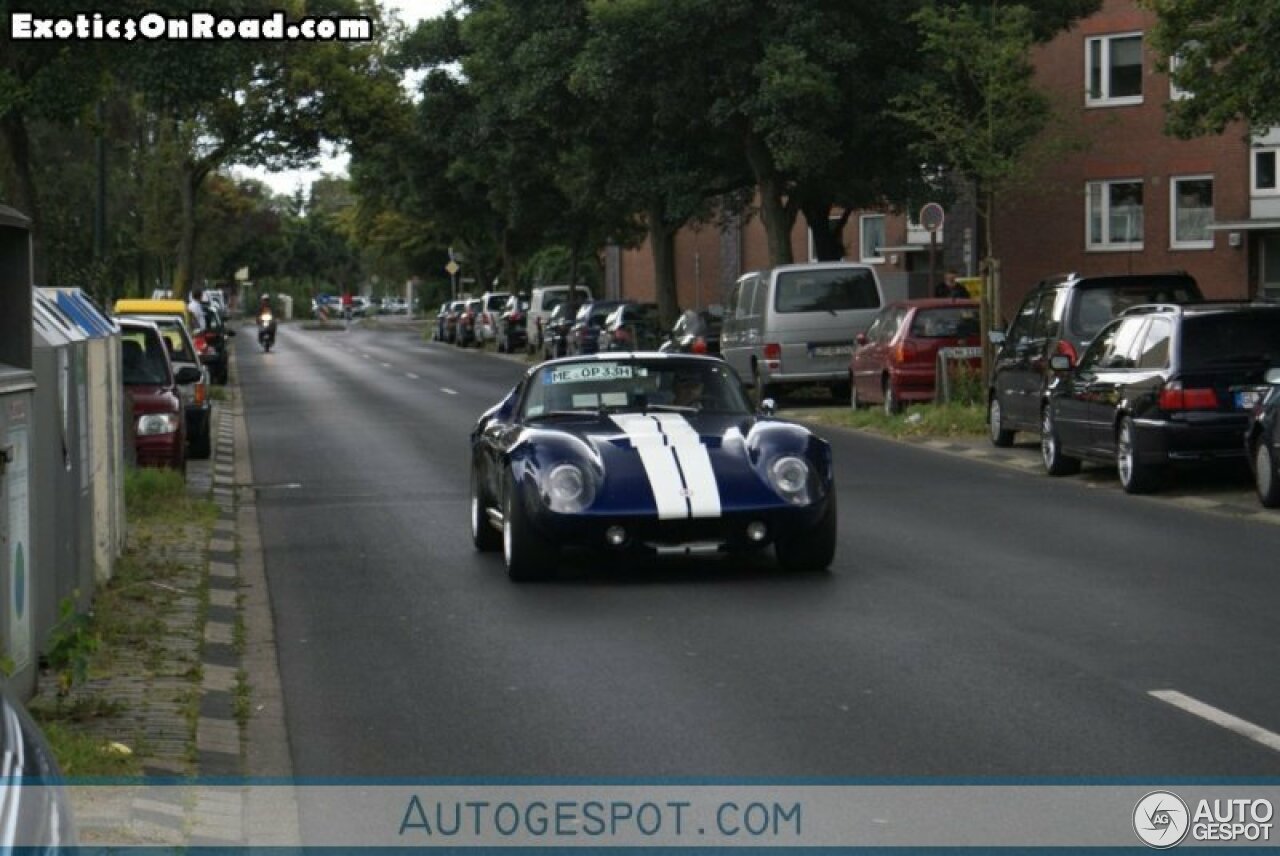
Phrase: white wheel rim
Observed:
(1047, 446)
(1124, 455)
(475, 516)
(506, 535)
(994, 417)
(1266, 472)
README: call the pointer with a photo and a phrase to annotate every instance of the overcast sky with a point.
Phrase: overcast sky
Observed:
(410, 11)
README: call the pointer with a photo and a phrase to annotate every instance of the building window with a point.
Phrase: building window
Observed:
(1115, 215)
(1114, 70)
(1265, 180)
(1191, 212)
(871, 230)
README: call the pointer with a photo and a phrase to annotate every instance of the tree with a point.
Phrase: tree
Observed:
(1225, 58)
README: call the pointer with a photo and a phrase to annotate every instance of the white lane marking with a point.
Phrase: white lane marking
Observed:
(675, 462)
(1221, 718)
(366, 356)
(448, 391)
(411, 376)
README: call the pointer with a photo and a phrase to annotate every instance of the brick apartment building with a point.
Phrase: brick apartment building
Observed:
(1127, 198)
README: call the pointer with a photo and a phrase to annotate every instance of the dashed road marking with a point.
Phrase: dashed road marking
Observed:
(448, 391)
(411, 376)
(386, 365)
(1221, 718)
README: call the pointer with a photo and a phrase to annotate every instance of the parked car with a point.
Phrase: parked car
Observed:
(492, 304)
(438, 333)
(896, 361)
(1161, 385)
(555, 332)
(1061, 315)
(213, 345)
(542, 302)
(468, 323)
(174, 322)
(696, 332)
(794, 325)
(631, 327)
(1262, 443)
(584, 332)
(452, 313)
(151, 385)
(548, 469)
(513, 331)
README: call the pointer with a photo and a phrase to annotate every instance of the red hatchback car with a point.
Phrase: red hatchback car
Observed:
(896, 360)
(160, 438)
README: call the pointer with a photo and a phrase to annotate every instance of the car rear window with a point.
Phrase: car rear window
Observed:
(826, 291)
(1235, 338)
(945, 323)
(1096, 305)
(142, 360)
(497, 302)
(177, 342)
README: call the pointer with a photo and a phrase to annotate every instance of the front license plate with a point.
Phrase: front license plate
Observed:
(830, 350)
(1247, 399)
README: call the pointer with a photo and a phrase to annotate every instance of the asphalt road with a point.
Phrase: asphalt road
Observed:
(978, 621)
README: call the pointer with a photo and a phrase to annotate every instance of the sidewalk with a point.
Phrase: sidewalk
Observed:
(192, 689)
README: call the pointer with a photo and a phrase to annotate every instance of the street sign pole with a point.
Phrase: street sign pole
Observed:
(932, 217)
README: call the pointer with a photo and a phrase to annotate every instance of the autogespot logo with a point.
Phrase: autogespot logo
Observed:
(1160, 819)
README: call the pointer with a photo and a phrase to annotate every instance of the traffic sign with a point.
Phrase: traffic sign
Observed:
(452, 267)
(932, 216)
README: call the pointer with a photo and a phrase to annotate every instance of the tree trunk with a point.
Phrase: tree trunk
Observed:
(828, 233)
(662, 240)
(18, 143)
(188, 184)
(777, 215)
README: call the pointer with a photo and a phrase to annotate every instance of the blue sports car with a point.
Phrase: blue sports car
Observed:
(645, 453)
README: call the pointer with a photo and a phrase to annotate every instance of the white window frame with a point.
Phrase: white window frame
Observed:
(1254, 190)
(1106, 246)
(1174, 243)
(1104, 98)
(862, 250)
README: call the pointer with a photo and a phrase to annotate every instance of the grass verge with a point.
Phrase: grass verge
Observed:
(919, 421)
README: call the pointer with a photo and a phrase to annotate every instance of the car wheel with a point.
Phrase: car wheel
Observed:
(1135, 475)
(483, 535)
(1264, 475)
(892, 407)
(812, 549)
(1000, 436)
(854, 402)
(1055, 462)
(527, 554)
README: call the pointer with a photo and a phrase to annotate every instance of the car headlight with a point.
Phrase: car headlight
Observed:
(567, 489)
(151, 424)
(789, 476)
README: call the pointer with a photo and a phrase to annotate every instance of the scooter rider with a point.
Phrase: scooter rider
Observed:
(266, 323)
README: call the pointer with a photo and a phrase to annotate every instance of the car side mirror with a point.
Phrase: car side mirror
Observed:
(860, 339)
(768, 407)
(188, 374)
(996, 337)
(1060, 363)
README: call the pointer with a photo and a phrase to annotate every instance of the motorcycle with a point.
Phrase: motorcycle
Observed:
(266, 330)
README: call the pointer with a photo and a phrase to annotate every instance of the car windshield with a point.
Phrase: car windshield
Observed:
(826, 291)
(615, 386)
(1096, 305)
(945, 323)
(1231, 338)
(178, 344)
(142, 359)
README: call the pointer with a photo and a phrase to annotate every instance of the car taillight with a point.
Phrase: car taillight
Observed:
(906, 351)
(1067, 349)
(772, 351)
(200, 393)
(202, 344)
(1174, 397)
(699, 345)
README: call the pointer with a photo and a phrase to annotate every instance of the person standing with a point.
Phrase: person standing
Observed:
(951, 287)
(195, 306)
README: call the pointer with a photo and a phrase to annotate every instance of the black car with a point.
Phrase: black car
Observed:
(695, 333)
(1061, 315)
(513, 325)
(34, 806)
(583, 336)
(648, 454)
(1262, 443)
(630, 327)
(1161, 385)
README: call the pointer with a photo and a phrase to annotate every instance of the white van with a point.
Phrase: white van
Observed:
(794, 325)
(541, 301)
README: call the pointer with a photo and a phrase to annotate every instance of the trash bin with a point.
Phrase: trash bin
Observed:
(105, 464)
(17, 383)
(62, 504)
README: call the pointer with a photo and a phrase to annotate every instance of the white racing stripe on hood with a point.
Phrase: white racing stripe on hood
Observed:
(676, 463)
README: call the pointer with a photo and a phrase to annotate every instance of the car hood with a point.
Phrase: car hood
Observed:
(672, 464)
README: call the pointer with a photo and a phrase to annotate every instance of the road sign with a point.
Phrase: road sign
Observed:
(932, 216)
(452, 267)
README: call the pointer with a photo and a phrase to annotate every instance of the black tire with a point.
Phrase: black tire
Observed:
(483, 535)
(201, 445)
(892, 407)
(1000, 436)
(1135, 475)
(1055, 462)
(528, 555)
(1265, 477)
(813, 549)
